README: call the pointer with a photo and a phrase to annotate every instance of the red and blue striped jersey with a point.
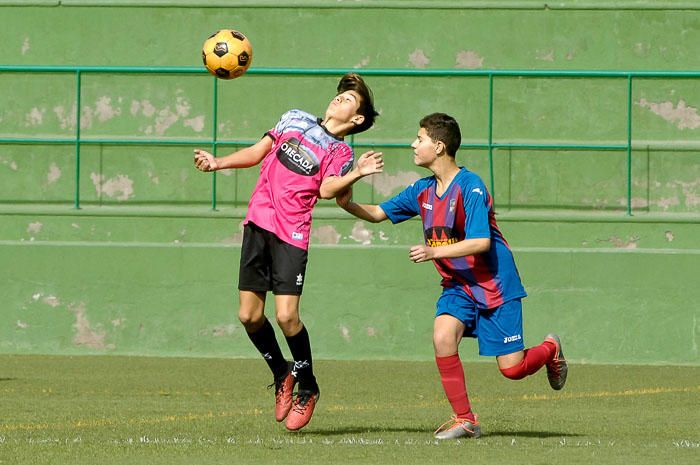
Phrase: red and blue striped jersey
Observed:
(463, 211)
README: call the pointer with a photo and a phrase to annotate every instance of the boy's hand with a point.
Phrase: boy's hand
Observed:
(205, 161)
(343, 199)
(370, 163)
(421, 253)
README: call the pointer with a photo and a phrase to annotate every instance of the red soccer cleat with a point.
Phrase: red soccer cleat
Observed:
(557, 369)
(283, 395)
(302, 410)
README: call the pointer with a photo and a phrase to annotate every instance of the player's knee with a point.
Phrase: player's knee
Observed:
(288, 321)
(444, 344)
(252, 321)
(515, 372)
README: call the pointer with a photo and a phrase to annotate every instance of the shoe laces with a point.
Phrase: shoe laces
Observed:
(278, 384)
(302, 401)
(455, 422)
(554, 364)
(555, 368)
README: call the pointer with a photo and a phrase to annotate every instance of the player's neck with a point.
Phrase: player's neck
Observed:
(338, 128)
(445, 170)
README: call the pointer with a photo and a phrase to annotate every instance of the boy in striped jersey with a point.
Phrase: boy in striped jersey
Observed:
(482, 291)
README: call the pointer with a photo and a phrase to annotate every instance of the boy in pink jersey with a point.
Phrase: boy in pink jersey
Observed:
(303, 158)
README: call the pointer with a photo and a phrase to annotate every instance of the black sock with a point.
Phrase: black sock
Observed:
(300, 347)
(265, 341)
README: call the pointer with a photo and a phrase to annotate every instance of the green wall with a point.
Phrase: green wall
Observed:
(147, 268)
(355, 35)
(164, 283)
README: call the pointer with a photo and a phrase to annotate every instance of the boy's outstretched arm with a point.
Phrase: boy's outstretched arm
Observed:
(463, 248)
(244, 158)
(370, 162)
(371, 213)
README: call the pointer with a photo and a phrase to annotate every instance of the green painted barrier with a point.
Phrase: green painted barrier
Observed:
(166, 285)
(571, 130)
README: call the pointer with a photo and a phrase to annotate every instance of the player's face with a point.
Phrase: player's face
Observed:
(424, 149)
(344, 106)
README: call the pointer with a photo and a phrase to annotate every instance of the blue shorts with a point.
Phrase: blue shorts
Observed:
(499, 330)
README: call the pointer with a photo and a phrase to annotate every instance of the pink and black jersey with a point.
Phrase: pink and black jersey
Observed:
(303, 154)
(464, 211)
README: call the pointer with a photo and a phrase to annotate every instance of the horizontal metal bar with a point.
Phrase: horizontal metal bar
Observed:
(479, 72)
(204, 142)
(404, 145)
(560, 146)
(105, 69)
(364, 71)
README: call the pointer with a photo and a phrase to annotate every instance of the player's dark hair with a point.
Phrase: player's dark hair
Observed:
(443, 128)
(353, 81)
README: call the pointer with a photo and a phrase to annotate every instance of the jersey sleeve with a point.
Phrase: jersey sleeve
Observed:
(281, 124)
(476, 209)
(403, 206)
(340, 161)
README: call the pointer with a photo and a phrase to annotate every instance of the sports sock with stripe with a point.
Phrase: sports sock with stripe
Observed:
(300, 347)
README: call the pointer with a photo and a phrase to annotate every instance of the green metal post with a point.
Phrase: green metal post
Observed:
(213, 140)
(77, 139)
(629, 145)
(493, 187)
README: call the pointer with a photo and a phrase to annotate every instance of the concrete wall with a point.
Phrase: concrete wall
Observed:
(146, 268)
(163, 283)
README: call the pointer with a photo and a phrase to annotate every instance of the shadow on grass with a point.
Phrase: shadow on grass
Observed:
(8, 379)
(528, 434)
(509, 434)
(365, 430)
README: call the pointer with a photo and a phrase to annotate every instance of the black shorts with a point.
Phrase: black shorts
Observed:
(270, 264)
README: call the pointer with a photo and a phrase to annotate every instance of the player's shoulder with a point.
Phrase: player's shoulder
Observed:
(468, 178)
(341, 147)
(423, 183)
(471, 184)
(298, 114)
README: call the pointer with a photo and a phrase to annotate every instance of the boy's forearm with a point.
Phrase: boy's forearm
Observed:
(463, 248)
(243, 158)
(371, 213)
(247, 157)
(338, 184)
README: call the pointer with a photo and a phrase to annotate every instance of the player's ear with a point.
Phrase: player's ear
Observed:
(357, 119)
(439, 147)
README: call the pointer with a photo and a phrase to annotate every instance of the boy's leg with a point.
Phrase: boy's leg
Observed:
(500, 334)
(253, 283)
(288, 268)
(260, 331)
(526, 362)
(287, 309)
(447, 334)
(520, 364)
(262, 334)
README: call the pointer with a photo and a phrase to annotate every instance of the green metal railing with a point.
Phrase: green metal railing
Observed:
(489, 145)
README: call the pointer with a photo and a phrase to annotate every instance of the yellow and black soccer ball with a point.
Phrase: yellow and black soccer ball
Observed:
(227, 54)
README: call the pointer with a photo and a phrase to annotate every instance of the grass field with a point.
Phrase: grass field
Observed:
(133, 410)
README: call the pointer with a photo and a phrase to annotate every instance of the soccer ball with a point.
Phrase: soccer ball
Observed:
(227, 54)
